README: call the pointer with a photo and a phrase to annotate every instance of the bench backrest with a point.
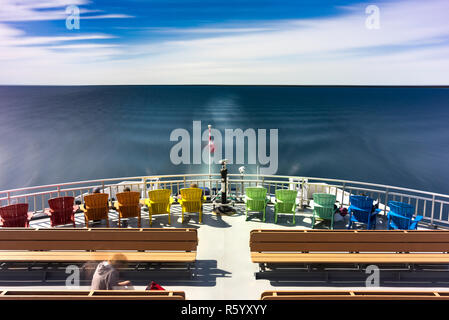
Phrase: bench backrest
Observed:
(355, 295)
(92, 295)
(349, 240)
(178, 239)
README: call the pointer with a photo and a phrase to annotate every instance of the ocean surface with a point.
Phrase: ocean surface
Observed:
(389, 135)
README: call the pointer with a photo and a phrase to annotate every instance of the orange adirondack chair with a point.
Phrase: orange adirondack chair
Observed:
(61, 211)
(96, 207)
(15, 215)
(128, 206)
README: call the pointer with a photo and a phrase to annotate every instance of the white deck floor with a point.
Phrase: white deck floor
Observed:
(225, 270)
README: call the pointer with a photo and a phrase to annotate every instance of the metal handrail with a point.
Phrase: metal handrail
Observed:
(429, 201)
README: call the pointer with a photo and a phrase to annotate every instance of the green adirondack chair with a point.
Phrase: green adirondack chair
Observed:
(285, 203)
(256, 200)
(323, 207)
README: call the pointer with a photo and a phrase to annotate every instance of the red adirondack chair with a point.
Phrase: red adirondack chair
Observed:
(61, 211)
(15, 215)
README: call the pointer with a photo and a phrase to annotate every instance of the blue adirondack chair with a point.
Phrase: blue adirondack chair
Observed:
(402, 208)
(400, 216)
(361, 211)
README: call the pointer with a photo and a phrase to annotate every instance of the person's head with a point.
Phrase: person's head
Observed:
(193, 185)
(127, 189)
(96, 190)
(118, 261)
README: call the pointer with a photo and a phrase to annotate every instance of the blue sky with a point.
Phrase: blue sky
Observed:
(228, 42)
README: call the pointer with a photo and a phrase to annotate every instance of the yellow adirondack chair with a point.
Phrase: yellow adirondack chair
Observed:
(159, 202)
(128, 206)
(96, 207)
(192, 201)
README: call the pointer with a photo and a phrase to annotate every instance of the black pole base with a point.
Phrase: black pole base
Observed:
(224, 209)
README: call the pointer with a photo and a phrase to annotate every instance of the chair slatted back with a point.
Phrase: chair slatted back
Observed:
(191, 199)
(128, 204)
(325, 202)
(286, 200)
(362, 202)
(15, 215)
(401, 208)
(97, 206)
(62, 211)
(159, 201)
(255, 198)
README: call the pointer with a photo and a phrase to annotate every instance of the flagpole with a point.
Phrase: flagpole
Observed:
(210, 146)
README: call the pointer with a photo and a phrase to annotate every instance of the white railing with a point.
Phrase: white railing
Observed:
(433, 206)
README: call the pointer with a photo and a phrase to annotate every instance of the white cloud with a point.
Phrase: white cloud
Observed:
(411, 47)
(35, 10)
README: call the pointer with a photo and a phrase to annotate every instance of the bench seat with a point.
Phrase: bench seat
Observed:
(76, 256)
(379, 258)
(92, 295)
(355, 295)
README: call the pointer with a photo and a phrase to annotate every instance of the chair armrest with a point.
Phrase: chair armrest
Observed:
(377, 211)
(397, 215)
(417, 218)
(393, 225)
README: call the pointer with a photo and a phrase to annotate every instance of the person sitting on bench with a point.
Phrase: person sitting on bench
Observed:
(106, 276)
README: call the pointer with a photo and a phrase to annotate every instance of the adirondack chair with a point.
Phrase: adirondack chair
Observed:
(256, 200)
(400, 220)
(96, 207)
(285, 203)
(402, 208)
(191, 201)
(128, 206)
(61, 211)
(159, 202)
(15, 215)
(361, 211)
(323, 207)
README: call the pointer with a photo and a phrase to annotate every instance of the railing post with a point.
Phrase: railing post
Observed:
(433, 210)
(386, 201)
(9, 198)
(144, 187)
(59, 191)
(343, 195)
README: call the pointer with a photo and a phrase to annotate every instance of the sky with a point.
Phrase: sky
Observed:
(314, 42)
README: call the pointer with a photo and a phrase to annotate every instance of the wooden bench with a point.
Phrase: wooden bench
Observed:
(93, 245)
(326, 247)
(354, 295)
(92, 295)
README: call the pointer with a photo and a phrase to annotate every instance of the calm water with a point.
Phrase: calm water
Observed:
(397, 136)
